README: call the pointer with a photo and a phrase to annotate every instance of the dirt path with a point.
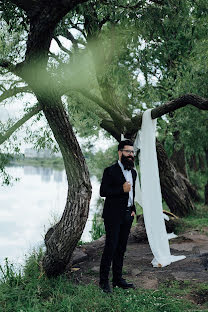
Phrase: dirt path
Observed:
(137, 264)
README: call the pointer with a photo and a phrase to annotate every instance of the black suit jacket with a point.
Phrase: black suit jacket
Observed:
(116, 201)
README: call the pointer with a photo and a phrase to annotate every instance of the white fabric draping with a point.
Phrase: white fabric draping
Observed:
(138, 193)
(149, 197)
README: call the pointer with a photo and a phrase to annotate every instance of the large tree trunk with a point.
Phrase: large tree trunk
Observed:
(174, 190)
(62, 239)
(179, 161)
(178, 157)
(206, 194)
(193, 163)
(191, 189)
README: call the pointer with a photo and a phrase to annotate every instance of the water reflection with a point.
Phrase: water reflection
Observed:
(30, 206)
(45, 173)
(58, 176)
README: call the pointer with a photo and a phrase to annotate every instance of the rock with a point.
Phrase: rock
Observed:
(78, 256)
(135, 272)
(138, 232)
(95, 269)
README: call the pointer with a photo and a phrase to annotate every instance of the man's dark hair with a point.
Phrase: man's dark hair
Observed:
(123, 143)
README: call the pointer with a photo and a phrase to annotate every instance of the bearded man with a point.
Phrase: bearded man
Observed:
(118, 187)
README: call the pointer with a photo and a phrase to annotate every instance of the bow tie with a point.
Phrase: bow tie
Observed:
(127, 169)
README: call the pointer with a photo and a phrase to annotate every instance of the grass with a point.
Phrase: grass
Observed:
(98, 228)
(32, 291)
(197, 221)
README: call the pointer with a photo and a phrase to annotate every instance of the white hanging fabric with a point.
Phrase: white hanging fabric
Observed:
(150, 194)
(138, 193)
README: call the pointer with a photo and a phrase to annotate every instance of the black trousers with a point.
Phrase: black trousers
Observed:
(115, 247)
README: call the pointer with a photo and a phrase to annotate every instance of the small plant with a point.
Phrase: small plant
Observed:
(80, 243)
(9, 274)
(32, 268)
(98, 228)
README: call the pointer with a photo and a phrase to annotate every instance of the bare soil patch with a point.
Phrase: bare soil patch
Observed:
(137, 264)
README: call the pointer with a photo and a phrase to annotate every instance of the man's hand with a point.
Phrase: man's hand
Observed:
(133, 213)
(127, 187)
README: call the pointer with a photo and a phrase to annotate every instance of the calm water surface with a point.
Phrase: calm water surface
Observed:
(29, 207)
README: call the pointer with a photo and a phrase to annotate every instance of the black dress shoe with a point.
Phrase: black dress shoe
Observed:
(105, 287)
(122, 283)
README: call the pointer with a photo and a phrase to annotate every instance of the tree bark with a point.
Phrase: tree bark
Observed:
(202, 161)
(191, 189)
(206, 194)
(206, 186)
(173, 188)
(178, 156)
(178, 159)
(62, 239)
(193, 163)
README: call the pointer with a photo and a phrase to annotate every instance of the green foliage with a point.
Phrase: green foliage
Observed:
(197, 220)
(99, 161)
(14, 16)
(98, 228)
(14, 25)
(55, 162)
(32, 268)
(198, 179)
(84, 115)
(6, 179)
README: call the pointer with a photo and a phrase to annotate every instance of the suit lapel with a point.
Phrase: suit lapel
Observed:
(134, 179)
(119, 173)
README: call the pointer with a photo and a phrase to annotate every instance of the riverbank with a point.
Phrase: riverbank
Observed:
(181, 286)
(56, 162)
(33, 291)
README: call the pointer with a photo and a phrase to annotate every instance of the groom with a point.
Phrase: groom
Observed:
(118, 186)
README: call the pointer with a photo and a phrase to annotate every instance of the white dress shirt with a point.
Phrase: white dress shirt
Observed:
(128, 176)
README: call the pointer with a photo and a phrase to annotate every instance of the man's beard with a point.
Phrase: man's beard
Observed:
(127, 161)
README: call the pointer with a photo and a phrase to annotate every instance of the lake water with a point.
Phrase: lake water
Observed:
(29, 207)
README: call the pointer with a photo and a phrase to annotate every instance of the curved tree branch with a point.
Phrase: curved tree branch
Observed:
(61, 46)
(14, 69)
(187, 99)
(27, 5)
(13, 91)
(23, 4)
(70, 37)
(33, 111)
(53, 55)
(118, 120)
(108, 125)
